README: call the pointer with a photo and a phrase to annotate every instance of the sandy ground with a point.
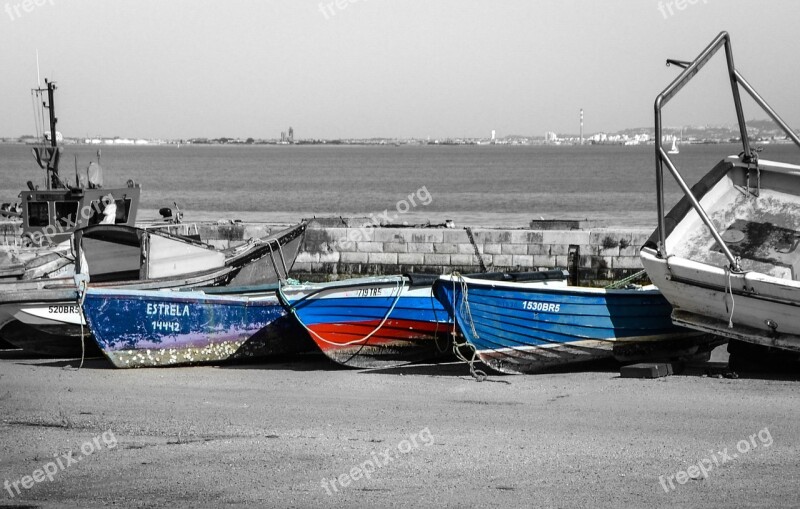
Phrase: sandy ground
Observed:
(269, 434)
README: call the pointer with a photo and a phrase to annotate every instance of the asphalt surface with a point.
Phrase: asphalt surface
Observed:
(304, 433)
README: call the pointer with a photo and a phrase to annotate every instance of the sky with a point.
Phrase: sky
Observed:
(384, 68)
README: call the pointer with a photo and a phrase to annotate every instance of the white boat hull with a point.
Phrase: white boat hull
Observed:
(727, 255)
(760, 303)
(749, 306)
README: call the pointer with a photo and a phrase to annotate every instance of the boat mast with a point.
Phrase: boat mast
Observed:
(52, 163)
(48, 156)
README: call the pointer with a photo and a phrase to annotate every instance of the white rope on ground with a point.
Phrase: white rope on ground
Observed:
(400, 285)
(478, 374)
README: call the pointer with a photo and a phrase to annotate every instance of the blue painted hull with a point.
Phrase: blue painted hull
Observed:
(372, 322)
(140, 328)
(525, 328)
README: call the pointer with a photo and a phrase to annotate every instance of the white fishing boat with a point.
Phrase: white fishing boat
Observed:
(51, 215)
(727, 256)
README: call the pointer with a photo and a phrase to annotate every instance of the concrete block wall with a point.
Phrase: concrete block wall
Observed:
(346, 247)
(598, 255)
(224, 235)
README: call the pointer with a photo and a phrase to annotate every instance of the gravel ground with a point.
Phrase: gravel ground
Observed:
(278, 434)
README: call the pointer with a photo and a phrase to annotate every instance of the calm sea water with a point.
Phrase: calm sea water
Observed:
(472, 185)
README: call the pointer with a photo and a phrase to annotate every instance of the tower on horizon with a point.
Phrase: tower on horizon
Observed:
(494, 135)
(291, 135)
(581, 126)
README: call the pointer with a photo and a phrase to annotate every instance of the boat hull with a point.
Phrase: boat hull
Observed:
(40, 342)
(750, 307)
(52, 311)
(156, 328)
(372, 322)
(533, 327)
(758, 219)
(57, 320)
(727, 255)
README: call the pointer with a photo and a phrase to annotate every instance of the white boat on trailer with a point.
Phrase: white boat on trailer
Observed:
(727, 256)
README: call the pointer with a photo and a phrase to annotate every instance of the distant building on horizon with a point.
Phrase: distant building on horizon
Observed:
(291, 135)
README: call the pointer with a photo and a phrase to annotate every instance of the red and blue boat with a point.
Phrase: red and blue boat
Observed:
(375, 322)
(535, 322)
(150, 328)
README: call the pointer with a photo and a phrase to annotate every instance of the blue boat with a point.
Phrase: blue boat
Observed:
(375, 322)
(519, 326)
(149, 328)
(43, 316)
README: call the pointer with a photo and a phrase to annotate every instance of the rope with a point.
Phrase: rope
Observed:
(475, 247)
(272, 259)
(38, 126)
(283, 260)
(292, 309)
(439, 349)
(43, 121)
(81, 299)
(35, 111)
(477, 374)
(624, 282)
(729, 289)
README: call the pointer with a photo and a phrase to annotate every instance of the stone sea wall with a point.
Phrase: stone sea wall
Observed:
(338, 248)
(593, 255)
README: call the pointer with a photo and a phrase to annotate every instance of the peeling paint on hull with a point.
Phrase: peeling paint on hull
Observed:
(528, 328)
(346, 321)
(397, 342)
(158, 328)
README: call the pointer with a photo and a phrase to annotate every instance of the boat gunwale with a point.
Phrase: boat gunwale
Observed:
(188, 296)
(309, 291)
(537, 286)
(687, 264)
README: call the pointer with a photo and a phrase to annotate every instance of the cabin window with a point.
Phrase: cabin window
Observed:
(66, 213)
(38, 214)
(97, 213)
(123, 210)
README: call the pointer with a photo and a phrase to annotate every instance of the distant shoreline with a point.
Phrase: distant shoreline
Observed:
(469, 146)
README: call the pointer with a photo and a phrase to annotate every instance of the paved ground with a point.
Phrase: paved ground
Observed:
(276, 435)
